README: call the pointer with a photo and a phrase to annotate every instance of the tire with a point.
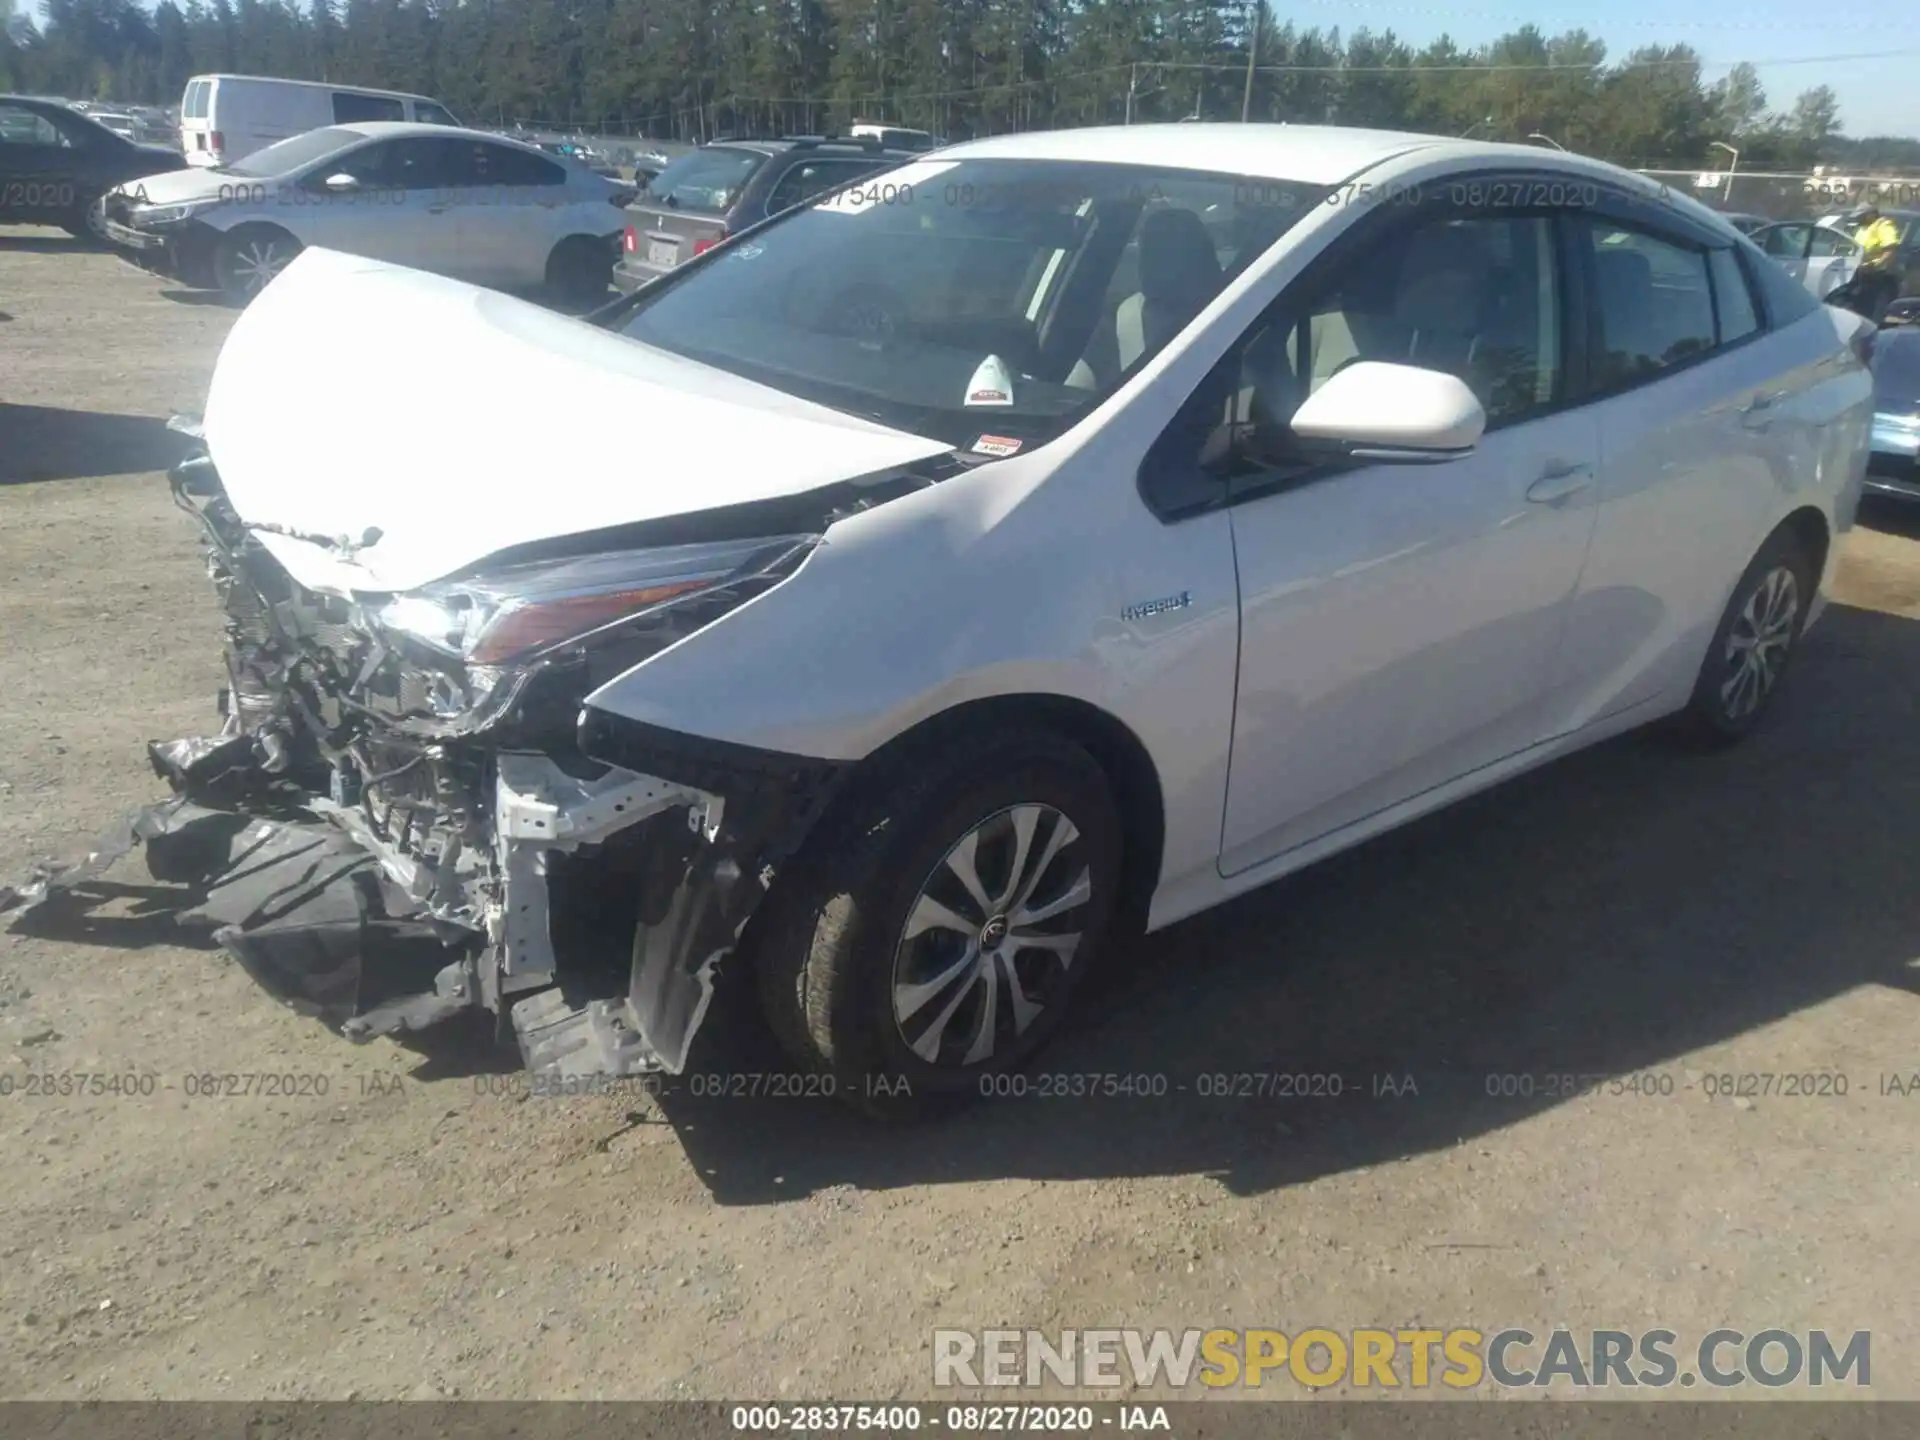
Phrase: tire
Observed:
(834, 943)
(580, 270)
(89, 223)
(1770, 601)
(246, 260)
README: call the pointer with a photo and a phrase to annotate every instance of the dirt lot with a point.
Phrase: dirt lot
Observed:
(421, 1229)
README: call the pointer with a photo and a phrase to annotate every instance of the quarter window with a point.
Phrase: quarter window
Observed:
(1655, 304)
(1732, 300)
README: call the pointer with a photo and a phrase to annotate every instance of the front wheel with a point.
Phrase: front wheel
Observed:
(1751, 647)
(933, 936)
(246, 261)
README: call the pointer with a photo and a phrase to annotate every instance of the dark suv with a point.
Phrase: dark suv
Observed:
(726, 185)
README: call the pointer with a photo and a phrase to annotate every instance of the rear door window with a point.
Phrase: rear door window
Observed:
(194, 106)
(815, 177)
(351, 109)
(709, 179)
(1655, 303)
(1786, 242)
(508, 166)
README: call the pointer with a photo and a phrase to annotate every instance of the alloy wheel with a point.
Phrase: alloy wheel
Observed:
(1757, 645)
(257, 260)
(990, 937)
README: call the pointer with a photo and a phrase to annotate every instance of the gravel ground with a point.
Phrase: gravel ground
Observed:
(422, 1229)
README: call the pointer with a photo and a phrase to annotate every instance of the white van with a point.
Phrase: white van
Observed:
(224, 118)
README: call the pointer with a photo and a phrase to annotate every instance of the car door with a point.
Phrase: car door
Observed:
(385, 214)
(39, 169)
(519, 206)
(1832, 259)
(1788, 245)
(1695, 408)
(1399, 622)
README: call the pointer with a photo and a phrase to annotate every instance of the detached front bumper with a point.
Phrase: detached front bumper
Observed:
(585, 893)
(182, 251)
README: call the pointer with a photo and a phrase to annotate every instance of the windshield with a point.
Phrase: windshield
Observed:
(972, 301)
(710, 178)
(286, 156)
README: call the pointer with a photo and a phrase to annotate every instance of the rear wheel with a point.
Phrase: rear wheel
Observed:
(932, 939)
(580, 270)
(1748, 657)
(247, 260)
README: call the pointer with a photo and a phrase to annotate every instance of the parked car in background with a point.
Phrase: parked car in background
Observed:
(1894, 468)
(56, 163)
(894, 137)
(1027, 556)
(709, 193)
(1819, 257)
(224, 118)
(457, 202)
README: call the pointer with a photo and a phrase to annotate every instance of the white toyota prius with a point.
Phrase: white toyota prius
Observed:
(1062, 533)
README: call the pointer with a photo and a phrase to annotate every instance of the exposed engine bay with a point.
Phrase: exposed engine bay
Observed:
(410, 813)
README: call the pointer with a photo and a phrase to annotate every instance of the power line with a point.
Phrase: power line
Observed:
(1463, 12)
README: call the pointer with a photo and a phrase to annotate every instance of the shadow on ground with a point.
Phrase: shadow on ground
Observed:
(1603, 915)
(41, 442)
(51, 242)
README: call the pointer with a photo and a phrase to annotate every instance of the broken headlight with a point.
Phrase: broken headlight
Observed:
(521, 612)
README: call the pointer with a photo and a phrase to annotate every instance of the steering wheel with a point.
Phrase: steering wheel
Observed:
(868, 313)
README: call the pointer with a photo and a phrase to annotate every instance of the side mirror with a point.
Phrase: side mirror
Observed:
(341, 183)
(1373, 410)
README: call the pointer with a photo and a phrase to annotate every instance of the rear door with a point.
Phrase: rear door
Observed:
(1832, 259)
(1788, 245)
(513, 210)
(1696, 403)
(196, 105)
(686, 208)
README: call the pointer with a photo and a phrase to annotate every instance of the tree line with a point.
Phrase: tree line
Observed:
(690, 69)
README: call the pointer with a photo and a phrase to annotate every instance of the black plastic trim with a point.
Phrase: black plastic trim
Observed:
(718, 766)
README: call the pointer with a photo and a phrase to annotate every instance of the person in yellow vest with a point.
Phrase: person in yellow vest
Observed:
(1875, 234)
(1879, 242)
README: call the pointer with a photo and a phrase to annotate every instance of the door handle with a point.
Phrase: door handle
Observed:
(1559, 482)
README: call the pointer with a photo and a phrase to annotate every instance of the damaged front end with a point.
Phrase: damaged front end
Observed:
(408, 813)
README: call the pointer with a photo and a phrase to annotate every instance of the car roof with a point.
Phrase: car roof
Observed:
(1311, 154)
(398, 129)
(311, 85)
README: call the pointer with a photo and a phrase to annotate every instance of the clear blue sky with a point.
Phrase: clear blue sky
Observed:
(1878, 94)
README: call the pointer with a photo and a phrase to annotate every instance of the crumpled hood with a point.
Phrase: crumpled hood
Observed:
(354, 395)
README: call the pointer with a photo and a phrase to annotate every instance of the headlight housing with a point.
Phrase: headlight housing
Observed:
(169, 214)
(522, 612)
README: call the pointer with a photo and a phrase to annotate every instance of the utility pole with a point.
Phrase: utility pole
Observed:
(1253, 56)
(1133, 84)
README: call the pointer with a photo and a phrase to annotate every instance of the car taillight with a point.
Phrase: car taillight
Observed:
(700, 247)
(218, 142)
(630, 241)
